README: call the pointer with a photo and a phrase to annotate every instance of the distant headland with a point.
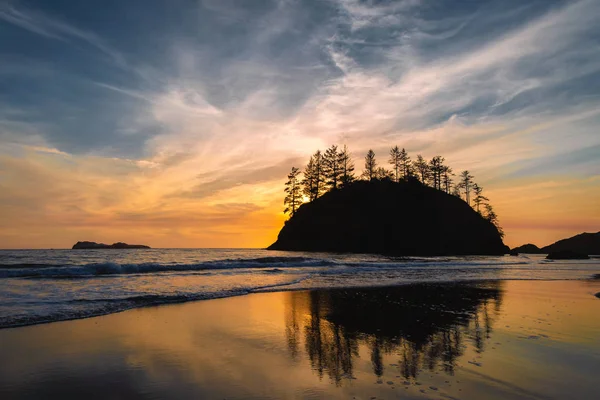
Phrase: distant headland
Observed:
(119, 245)
(578, 246)
(415, 209)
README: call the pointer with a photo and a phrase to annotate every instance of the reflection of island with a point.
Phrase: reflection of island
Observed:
(426, 326)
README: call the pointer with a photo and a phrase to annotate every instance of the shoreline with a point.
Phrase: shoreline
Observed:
(283, 289)
(469, 340)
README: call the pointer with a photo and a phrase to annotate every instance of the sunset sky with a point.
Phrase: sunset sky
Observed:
(174, 123)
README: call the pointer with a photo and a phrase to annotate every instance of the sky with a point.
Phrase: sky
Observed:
(174, 123)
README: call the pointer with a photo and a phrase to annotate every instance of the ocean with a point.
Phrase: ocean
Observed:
(38, 286)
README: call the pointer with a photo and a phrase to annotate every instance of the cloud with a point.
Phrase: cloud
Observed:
(42, 24)
(238, 177)
(209, 113)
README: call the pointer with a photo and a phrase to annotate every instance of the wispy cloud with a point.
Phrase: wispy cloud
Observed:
(53, 28)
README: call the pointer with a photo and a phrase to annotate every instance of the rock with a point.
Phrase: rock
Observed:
(597, 295)
(567, 255)
(526, 249)
(401, 219)
(584, 243)
(119, 245)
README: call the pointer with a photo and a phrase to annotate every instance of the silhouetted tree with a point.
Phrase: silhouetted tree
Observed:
(382, 174)
(370, 166)
(436, 168)
(293, 190)
(447, 180)
(456, 191)
(347, 167)
(313, 177)
(422, 169)
(479, 197)
(491, 216)
(395, 161)
(308, 182)
(332, 169)
(466, 182)
(405, 164)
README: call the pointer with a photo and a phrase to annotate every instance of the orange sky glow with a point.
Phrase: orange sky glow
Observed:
(183, 137)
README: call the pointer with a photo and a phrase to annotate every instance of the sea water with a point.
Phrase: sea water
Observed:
(38, 286)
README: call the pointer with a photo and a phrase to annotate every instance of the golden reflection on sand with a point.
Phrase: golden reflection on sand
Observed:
(494, 340)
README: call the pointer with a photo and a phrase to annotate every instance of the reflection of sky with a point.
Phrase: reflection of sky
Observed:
(538, 340)
(176, 122)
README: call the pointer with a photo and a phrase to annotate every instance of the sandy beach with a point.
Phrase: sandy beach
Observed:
(493, 340)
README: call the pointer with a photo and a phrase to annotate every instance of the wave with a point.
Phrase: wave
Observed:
(110, 268)
(267, 264)
(86, 308)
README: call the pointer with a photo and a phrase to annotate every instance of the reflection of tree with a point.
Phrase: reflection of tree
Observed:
(292, 327)
(329, 347)
(424, 325)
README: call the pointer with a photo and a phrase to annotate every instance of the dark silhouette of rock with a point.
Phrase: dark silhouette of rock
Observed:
(566, 255)
(597, 295)
(584, 243)
(118, 245)
(385, 217)
(526, 249)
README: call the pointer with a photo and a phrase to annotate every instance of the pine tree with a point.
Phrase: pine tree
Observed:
(308, 182)
(405, 164)
(318, 176)
(332, 169)
(447, 180)
(436, 168)
(479, 197)
(313, 177)
(395, 161)
(370, 166)
(422, 169)
(293, 190)
(347, 167)
(456, 191)
(383, 174)
(491, 216)
(466, 182)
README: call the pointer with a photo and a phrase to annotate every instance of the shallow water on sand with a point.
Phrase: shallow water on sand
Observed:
(49, 285)
(492, 340)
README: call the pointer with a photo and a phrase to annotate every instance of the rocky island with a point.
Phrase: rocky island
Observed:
(404, 218)
(526, 249)
(119, 245)
(576, 247)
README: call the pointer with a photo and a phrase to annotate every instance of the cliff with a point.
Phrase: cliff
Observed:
(584, 243)
(118, 245)
(384, 217)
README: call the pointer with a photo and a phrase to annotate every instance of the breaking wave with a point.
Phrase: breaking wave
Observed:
(275, 264)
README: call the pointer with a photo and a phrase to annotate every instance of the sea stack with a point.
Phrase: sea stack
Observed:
(384, 217)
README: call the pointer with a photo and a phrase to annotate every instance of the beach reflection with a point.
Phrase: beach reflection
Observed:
(506, 340)
(424, 327)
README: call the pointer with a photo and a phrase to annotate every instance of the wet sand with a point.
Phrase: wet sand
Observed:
(494, 340)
